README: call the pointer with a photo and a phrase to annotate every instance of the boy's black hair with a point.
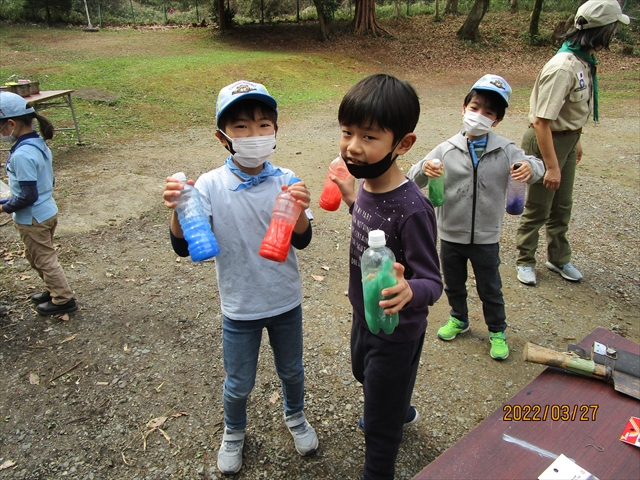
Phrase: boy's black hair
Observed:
(592, 38)
(381, 101)
(250, 108)
(491, 100)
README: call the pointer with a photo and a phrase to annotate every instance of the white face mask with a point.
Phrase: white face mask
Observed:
(251, 152)
(475, 124)
(8, 138)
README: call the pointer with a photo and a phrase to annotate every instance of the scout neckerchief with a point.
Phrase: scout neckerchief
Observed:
(248, 181)
(477, 146)
(591, 60)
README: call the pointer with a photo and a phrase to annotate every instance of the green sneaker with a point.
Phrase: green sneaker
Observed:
(452, 328)
(499, 348)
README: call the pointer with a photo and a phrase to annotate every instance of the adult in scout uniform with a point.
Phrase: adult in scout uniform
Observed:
(563, 96)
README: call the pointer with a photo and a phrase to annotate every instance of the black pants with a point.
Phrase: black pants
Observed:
(485, 260)
(387, 372)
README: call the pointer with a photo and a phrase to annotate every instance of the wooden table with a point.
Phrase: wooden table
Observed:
(601, 416)
(55, 98)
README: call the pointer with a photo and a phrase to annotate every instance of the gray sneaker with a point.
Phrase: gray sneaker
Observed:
(230, 453)
(568, 271)
(304, 436)
(526, 275)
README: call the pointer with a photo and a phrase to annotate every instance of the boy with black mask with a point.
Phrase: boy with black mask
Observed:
(377, 118)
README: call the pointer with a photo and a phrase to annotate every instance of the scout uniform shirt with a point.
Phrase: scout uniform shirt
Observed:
(562, 93)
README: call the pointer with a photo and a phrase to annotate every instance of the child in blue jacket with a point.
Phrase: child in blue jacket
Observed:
(35, 213)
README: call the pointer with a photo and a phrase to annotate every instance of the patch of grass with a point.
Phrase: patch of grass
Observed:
(160, 80)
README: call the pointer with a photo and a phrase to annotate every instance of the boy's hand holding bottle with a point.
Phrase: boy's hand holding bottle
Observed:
(432, 170)
(172, 189)
(522, 173)
(401, 292)
(301, 193)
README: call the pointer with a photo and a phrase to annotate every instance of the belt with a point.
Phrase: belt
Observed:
(564, 132)
(567, 132)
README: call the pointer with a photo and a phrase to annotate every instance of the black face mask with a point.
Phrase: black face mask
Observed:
(373, 170)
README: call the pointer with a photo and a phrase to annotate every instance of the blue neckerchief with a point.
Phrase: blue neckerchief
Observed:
(480, 142)
(268, 170)
(591, 60)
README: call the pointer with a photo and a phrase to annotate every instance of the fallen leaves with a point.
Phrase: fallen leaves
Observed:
(152, 425)
(317, 278)
(7, 464)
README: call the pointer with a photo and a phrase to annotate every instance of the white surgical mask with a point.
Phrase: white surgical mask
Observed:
(251, 152)
(8, 138)
(475, 124)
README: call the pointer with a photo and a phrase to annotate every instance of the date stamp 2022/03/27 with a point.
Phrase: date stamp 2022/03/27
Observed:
(555, 413)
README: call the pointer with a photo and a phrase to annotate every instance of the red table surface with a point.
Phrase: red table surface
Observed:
(484, 454)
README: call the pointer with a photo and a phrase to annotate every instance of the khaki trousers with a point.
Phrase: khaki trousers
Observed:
(548, 207)
(41, 254)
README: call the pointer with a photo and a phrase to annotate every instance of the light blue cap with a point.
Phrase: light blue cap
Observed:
(243, 90)
(12, 105)
(494, 83)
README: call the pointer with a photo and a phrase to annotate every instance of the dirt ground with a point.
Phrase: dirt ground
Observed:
(146, 342)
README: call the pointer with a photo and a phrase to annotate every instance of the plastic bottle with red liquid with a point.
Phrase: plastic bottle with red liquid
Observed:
(330, 197)
(516, 191)
(277, 241)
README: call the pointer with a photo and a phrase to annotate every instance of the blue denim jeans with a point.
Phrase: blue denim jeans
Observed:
(241, 345)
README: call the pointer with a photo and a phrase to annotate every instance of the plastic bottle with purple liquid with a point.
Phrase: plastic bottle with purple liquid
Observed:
(516, 191)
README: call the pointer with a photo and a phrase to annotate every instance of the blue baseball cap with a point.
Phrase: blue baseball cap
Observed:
(243, 90)
(494, 83)
(12, 105)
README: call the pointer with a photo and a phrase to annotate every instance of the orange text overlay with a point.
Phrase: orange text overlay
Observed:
(555, 413)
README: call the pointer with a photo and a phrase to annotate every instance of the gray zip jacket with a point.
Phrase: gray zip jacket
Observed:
(474, 198)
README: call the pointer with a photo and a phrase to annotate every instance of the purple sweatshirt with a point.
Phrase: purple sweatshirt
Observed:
(409, 222)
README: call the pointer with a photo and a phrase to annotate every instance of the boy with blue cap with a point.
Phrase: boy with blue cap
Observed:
(476, 164)
(239, 199)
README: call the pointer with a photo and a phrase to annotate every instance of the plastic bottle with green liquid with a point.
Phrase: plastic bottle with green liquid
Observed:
(436, 187)
(377, 274)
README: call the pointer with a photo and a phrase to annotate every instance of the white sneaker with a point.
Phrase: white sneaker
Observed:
(230, 453)
(526, 275)
(568, 271)
(304, 436)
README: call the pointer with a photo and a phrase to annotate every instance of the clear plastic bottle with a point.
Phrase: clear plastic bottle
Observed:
(195, 223)
(377, 274)
(330, 197)
(516, 191)
(277, 241)
(436, 187)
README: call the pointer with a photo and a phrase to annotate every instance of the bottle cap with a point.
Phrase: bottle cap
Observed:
(436, 162)
(377, 238)
(180, 176)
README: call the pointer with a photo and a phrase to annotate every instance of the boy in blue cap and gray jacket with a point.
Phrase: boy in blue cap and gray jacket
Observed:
(476, 164)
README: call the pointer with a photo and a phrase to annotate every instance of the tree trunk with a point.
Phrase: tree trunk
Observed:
(451, 7)
(513, 4)
(397, 8)
(469, 29)
(364, 20)
(535, 19)
(322, 20)
(222, 17)
(437, 10)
